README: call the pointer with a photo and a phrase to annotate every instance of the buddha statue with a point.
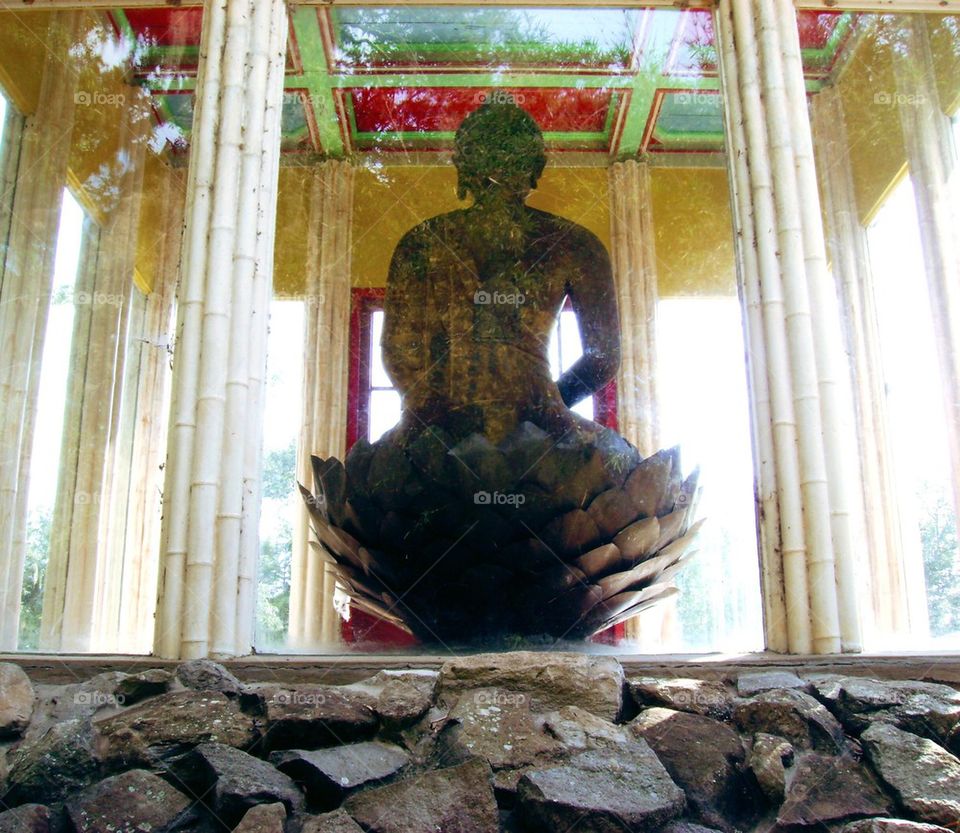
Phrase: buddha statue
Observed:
(473, 295)
(492, 512)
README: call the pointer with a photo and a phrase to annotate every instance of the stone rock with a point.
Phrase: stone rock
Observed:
(263, 818)
(922, 775)
(753, 682)
(17, 698)
(336, 822)
(927, 709)
(578, 730)
(599, 793)
(231, 781)
(311, 716)
(328, 775)
(551, 681)
(136, 687)
(953, 741)
(136, 800)
(769, 758)
(710, 698)
(170, 722)
(400, 698)
(457, 799)
(891, 826)
(792, 715)
(28, 818)
(827, 789)
(704, 757)
(496, 725)
(50, 767)
(207, 675)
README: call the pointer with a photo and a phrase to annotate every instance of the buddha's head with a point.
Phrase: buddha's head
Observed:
(498, 149)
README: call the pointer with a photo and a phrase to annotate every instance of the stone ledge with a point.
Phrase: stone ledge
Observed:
(518, 742)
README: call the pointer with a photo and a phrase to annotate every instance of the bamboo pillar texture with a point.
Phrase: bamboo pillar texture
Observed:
(931, 159)
(808, 559)
(313, 620)
(206, 574)
(142, 538)
(635, 272)
(41, 169)
(893, 608)
(81, 593)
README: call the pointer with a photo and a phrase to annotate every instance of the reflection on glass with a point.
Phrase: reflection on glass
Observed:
(86, 305)
(884, 114)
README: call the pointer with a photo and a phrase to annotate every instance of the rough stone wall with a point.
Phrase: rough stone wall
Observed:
(508, 742)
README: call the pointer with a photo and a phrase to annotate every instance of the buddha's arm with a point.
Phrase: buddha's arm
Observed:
(594, 298)
(402, 342)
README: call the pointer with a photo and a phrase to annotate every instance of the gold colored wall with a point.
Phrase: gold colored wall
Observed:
(690, 205)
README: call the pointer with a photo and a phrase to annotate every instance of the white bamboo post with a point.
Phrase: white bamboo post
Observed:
(25, 298)
(835, 403)
(12, 132)
(890, 604)
(825, 625)
(772, 579)
(141, 546)
(313, 620)
(190, 304)
(207, 583)
(230, 514)
(930, 157)
(263, 288)
(198, 619)
(792, 550)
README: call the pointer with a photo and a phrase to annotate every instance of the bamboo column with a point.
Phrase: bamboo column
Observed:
(931, 159)
(892, 606)
(313, 620)
(811, 556)
(635, 272)
(206, 573)
(12, 132)
(141, 545)
(260, 313)
(82, 594)
(25, 300)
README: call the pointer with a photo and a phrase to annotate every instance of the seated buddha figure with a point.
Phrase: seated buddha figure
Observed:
(472, 297)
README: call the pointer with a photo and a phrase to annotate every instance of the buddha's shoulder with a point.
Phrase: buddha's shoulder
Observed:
(427, 232)
(572, 234)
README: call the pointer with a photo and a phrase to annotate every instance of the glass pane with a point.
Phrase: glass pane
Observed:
(384, 412)
(378, 374)
(280, 506)
(883, 104)
(99, 102)
(502, 158)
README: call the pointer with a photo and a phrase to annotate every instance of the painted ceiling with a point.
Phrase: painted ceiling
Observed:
(400, 79)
